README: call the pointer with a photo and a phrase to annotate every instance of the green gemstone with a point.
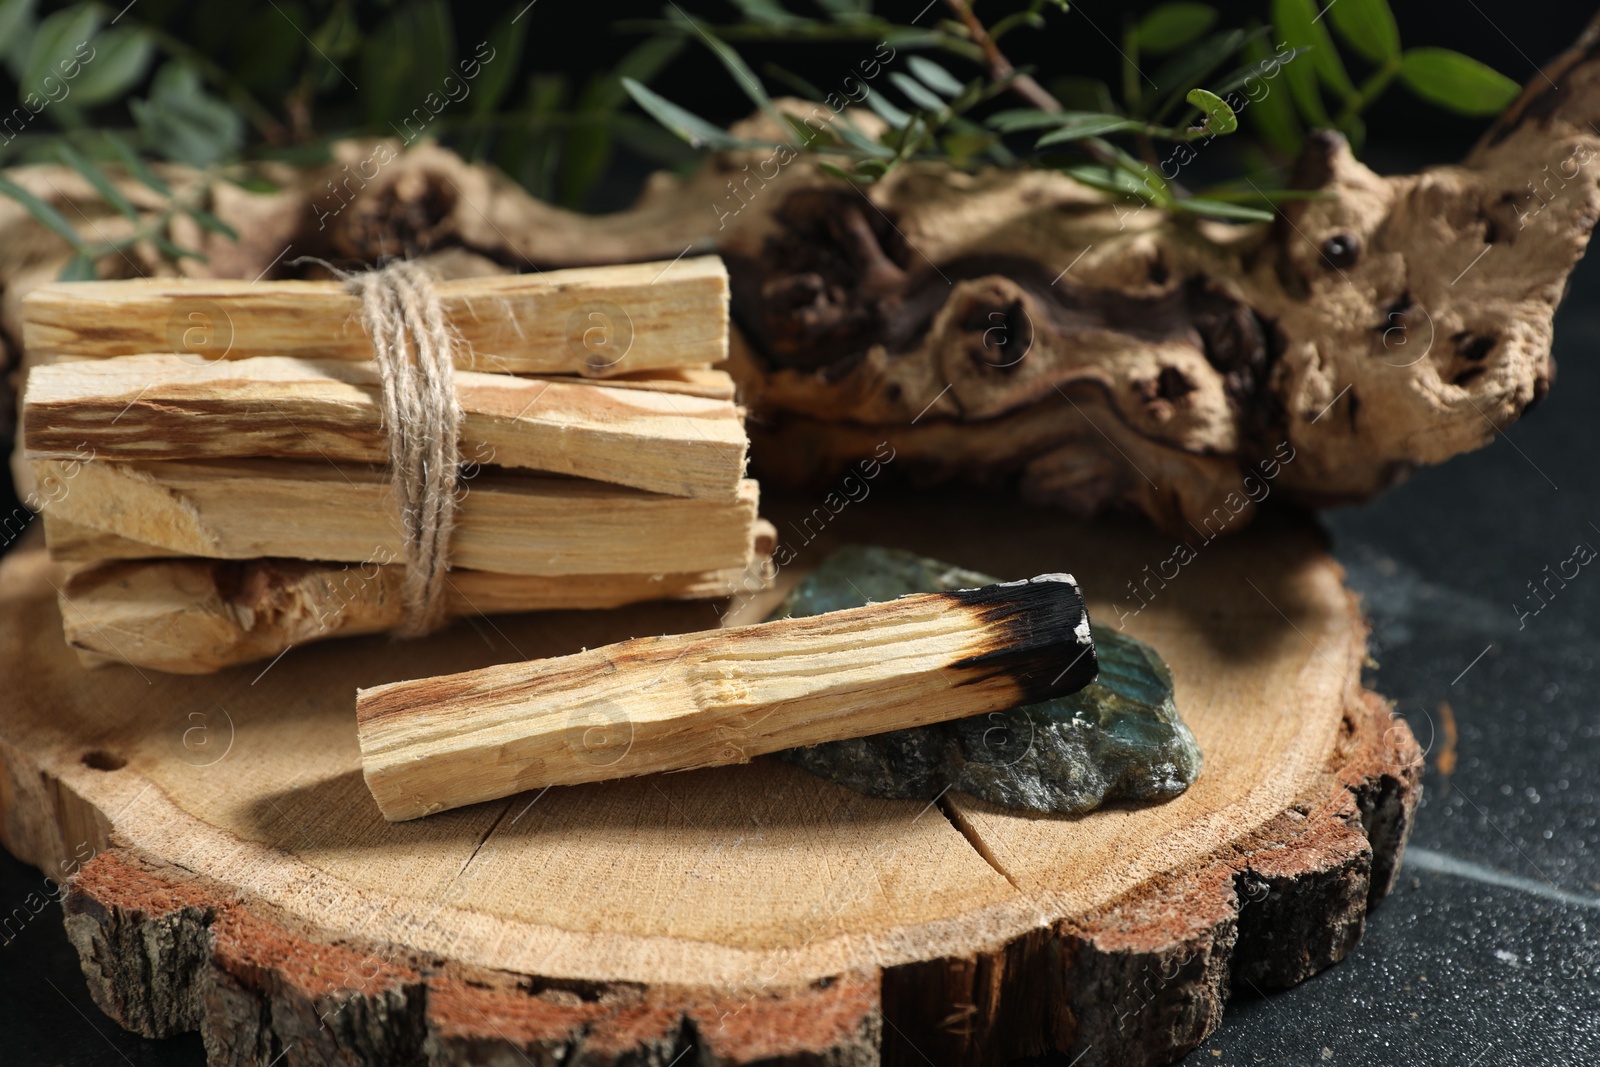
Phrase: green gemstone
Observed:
(1119, 738)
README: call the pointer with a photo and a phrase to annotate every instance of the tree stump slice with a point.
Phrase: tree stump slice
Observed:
(231, 873)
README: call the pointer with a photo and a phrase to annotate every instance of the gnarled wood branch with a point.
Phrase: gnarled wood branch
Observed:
(1015, 326)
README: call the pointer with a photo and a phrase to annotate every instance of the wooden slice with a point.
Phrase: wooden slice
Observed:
(231, 872)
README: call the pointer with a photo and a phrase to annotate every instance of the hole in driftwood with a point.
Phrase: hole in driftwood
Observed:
(1173, 384)
(101, 760)
(1473, 348)
(1341, 250)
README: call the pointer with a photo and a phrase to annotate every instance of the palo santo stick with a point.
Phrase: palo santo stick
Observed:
(689, 381)
(152, 407)
(191, 616)
(594, 321)
(722, 696)
(507, 523)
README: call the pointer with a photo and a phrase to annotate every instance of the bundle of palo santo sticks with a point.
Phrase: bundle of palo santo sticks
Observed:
(211, 456)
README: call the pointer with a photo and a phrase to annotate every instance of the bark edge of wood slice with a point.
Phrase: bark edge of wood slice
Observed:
(272, 910)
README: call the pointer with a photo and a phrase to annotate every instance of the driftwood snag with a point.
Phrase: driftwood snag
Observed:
(243, 882)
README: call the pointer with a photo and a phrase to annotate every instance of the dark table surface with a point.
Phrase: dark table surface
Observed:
(1488, 952)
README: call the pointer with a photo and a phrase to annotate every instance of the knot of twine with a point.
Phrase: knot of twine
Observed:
(414, 348)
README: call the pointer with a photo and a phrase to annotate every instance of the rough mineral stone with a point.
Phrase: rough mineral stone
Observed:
(1118, 739)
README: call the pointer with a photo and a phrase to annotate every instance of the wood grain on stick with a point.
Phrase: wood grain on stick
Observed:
(720, 697)
(597, 322)
(508, 523)
(195, 616)
(689, 381)
(153, 407)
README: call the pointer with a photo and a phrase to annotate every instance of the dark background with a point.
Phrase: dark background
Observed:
(1488, 953)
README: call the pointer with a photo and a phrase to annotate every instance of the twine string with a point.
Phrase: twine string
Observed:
(414, 349)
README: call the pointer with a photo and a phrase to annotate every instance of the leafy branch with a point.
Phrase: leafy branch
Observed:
(224, 87)
(1206, 78)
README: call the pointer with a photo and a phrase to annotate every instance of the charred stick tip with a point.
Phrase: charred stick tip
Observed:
(1043, 643)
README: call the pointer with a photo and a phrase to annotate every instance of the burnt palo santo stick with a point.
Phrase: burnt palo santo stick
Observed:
(720, 696)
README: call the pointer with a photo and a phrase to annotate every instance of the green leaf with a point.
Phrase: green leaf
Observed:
(1171, 26)
(851, 134)
(135, 165)
(1089, 126)
(528, 150)
(838, 172)
(963, 146)
(886, 111)
(732, 62)
(641, 134)
(806, 90)
(1220, 209)
(1188, 69)
(80, 268)
(915, 93)
(42, 211)
(1457, 82)
(403, 65)
(1356, 131)
(587, 150)
(934, 76)
(255, 183)
(16, 33)
(1032, 118)
(1369, 27)
(641, 64)
(185, 123)
(806, 133)
(339, 34)
(494, 77)
(1273, 113)
(691, 127)
(1295, 22)
(98, 178)
(173, 251)
(768, 13)
(1114, 180)
(62, 38)
(121, 56)
(1220, 118)
(208, 221)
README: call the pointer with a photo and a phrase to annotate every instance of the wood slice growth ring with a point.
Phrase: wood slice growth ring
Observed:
(233, 874)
